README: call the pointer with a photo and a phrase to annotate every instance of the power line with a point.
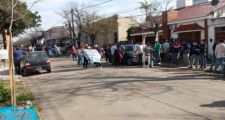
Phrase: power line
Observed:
(99, 4)
(135, 9)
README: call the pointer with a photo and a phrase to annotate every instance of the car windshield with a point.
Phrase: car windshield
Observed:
(129, 48)
(36, 55)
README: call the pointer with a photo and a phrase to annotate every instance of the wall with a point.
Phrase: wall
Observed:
(123, 25)
(200, 1)
(184, 3)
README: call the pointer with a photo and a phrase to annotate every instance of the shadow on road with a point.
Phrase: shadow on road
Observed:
(215, 104)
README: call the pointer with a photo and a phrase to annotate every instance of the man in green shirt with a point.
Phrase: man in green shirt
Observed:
(158, 48)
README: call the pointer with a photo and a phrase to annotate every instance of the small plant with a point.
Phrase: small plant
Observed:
(4, 95)
(25, 97)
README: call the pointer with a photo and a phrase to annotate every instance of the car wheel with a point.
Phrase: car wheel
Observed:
(49, 70)
(129, 62)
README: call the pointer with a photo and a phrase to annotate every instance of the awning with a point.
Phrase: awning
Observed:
(189, 28)
(145, 33)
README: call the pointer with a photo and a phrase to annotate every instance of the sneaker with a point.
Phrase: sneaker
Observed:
(190, 67)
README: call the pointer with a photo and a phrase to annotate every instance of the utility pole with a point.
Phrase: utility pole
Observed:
(73, 30)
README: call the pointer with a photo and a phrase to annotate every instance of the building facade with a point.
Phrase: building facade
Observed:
(208, 23)
(117, 33)
(201, 21)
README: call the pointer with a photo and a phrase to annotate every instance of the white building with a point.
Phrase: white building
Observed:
(185, 3)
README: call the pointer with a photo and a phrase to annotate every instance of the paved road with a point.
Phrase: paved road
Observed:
(70, 93)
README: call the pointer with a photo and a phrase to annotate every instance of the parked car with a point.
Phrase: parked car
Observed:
(35, 61)
(131, 54)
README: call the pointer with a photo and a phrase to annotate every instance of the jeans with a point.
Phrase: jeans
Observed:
(203, 61)
(80, 59)
(150, 61)
(213, 63)
(186, 59)
(17, 66)
(158, 58)
(175, 58)
(194, 59)
(85, 64)
(140, 62)
(220, 61)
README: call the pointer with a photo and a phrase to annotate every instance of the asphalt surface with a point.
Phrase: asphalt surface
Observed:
(127, 93)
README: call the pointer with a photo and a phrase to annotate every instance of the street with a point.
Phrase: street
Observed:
(127, 93)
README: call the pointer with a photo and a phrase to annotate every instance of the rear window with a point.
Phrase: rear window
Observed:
(129, 48)
(37, 55)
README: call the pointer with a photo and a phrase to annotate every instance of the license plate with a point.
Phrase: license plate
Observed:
(39, 68)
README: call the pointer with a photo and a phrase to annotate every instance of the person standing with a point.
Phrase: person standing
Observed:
(220, 55)
(73, 52)
(213, 62)
(186, 53)
(17, 56)
(140, 55)
(158, 52)
(113, 50)
(195, 51)
(203, 49)
(149, 54)
(165, 50)
(176, 52)
(80, 56)
(107, 54)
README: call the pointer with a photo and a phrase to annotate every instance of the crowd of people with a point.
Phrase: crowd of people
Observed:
(178, 52)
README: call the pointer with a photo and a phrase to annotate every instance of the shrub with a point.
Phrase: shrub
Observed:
(4, 95)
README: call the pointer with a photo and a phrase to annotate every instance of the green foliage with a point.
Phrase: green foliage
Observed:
(131, 30)
(25, 97)
(23, 17)
(4, 95)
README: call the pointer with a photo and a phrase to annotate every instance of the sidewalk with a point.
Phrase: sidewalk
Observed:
(4, 74)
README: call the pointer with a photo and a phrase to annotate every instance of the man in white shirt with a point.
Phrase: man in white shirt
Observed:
(220, 55)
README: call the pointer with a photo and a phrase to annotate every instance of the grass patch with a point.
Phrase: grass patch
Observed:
(22, 94)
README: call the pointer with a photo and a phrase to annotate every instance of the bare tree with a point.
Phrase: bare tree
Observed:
(86, 20)
(153, 10)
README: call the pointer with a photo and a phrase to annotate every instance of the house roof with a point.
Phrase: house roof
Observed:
(190, 27)
(192, 12)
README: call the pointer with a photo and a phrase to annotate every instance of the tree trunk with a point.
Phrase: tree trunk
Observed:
(156, 36)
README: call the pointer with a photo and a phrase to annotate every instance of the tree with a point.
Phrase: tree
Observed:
(14, 11)
(131, 30)
(153, 10)
(21, 19)
(214, 2)
(101, 27)
(86, 20)
(77, 14)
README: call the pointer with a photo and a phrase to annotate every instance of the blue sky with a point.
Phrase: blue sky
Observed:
(49, 9)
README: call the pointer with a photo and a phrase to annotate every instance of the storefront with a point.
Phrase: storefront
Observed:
(189, 32)
(137, 37)
(216, 30)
